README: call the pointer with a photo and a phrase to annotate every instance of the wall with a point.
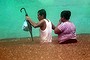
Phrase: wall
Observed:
(11, 19)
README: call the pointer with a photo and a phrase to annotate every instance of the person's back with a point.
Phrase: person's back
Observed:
(68, 31)
(46, 34)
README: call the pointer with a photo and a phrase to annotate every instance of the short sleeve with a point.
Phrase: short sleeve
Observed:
(61, 27)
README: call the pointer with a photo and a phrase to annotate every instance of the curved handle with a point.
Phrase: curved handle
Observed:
(24, 10)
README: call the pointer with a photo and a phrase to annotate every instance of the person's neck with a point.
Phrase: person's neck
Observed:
(41, 19)
(66, 21)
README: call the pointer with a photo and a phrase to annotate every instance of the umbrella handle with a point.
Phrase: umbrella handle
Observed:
(24, 10)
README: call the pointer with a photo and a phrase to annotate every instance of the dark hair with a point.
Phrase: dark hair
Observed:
(42, 12)
(66, 14)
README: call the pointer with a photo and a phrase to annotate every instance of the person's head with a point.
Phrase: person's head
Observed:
(65, 15)
(41, 14)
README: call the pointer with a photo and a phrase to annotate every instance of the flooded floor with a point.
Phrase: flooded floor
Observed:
(25, 49)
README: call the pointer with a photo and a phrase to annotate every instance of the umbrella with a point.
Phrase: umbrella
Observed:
(29, 24)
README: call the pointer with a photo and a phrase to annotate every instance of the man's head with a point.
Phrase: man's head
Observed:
(41, 14)
(65, 15)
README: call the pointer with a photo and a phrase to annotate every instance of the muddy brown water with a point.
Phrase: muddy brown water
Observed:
(25, 49)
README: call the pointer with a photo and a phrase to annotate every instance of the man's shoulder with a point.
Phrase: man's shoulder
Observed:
(42, 21)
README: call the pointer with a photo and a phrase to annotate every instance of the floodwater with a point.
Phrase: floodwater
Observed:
(25, 49)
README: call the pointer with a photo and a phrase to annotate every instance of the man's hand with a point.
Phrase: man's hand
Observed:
(27, 18)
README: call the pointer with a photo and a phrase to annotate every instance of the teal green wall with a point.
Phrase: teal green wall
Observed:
(11, 19)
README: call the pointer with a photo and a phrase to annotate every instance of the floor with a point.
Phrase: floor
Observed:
(26, 49)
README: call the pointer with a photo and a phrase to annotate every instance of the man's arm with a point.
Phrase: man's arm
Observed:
(53, 26)
(35, 25)
(57, 31)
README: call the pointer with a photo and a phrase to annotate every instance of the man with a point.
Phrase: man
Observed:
(44, 25)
